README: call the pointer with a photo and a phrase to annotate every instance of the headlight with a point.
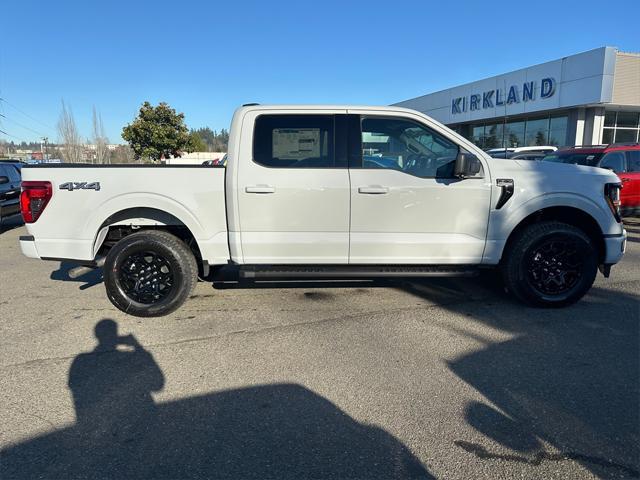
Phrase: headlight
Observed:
(612, 195)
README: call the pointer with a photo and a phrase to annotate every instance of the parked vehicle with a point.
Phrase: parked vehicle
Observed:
(528, 156)
(622, 158)
(10, 161)
(509, 152)
(298, 200)
(9, 190)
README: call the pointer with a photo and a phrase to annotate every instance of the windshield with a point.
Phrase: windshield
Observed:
(578, 158)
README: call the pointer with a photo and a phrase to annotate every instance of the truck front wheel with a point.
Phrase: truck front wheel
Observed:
(149, 273)
(550, 264)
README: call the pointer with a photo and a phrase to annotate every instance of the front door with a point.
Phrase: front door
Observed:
(623, 163)
(293, 194)
(631, 182)
(406, 205)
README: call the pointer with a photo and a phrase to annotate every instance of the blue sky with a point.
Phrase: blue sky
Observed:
(206, 58)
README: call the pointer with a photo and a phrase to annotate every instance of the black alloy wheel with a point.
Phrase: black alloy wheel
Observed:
(555, 266)
(145, 277)
(149, 273)
(550, 264)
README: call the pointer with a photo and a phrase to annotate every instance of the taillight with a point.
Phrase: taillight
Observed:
(33, 199)
(612, 195)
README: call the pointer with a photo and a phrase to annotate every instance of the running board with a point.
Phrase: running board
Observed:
(269, 272)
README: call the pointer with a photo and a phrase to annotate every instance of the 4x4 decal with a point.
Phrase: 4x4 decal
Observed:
(71, 186)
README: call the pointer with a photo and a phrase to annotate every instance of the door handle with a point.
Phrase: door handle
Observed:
(260, 189)
(373, 190)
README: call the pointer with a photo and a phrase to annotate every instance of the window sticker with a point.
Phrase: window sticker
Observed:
(296, 143)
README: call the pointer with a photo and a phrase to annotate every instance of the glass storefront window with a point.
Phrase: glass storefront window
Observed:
(536, 132)
(610, 119)
(528, 132)
(477, 135)
(558, 131)
(607, 135)
(621, 127)
(627, 119)
(514, 134)
(626, 135)
(493, 135)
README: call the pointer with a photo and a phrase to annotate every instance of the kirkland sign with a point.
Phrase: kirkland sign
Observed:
(496, 98)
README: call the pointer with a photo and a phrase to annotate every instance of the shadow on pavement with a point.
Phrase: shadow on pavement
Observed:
(88, 280)
(267, 431)
(569, 378)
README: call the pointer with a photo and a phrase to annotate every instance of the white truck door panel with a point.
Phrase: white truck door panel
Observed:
(406, 207)
(417, 220)
(290, 211)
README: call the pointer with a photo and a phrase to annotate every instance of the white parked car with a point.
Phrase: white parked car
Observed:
(510, 152)
(298, 198)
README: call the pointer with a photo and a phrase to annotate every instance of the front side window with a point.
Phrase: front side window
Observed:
(613, 161)
(13, 174)
(633, 158)
(294, 141)
(403, 145)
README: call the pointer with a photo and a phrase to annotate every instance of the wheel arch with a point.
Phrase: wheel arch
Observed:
(570, 215)
(123, 222)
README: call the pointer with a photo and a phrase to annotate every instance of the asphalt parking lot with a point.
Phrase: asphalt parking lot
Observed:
(443, 379)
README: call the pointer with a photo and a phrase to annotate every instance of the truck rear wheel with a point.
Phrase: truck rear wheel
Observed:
(550, 264)
(149, 273)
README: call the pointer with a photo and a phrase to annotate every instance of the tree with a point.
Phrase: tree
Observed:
(69, 135)
(196, 144)
(157, 132)
(540, 138)
(122, 154)
(216, 142)
(100, 140)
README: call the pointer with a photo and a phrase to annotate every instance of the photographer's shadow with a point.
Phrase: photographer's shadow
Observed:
(266, 431)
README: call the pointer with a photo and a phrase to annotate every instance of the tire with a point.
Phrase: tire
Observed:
(550, 264)
(149, 273)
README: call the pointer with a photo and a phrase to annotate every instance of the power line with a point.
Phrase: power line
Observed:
(9, 135)
(49, 127)
(25, 127)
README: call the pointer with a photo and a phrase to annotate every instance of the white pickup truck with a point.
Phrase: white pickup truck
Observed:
(328, 192)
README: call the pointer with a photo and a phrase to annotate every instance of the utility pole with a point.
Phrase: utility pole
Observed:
(46, 155)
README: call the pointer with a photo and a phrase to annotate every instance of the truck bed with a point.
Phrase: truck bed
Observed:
(87, 199)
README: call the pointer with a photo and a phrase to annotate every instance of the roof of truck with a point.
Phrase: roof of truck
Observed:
(256, 106)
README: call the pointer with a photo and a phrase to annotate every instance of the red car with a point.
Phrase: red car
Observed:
(622, 158)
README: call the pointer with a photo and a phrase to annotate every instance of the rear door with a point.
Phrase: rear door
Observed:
(406, 205)
(293, 189)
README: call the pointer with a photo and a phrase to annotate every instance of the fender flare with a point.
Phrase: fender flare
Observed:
(166, 208)
(504, 222)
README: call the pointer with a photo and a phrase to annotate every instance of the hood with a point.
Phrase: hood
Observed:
(554, 172)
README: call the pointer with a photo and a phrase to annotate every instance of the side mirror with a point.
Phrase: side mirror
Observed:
(467, 165)
(3, 180)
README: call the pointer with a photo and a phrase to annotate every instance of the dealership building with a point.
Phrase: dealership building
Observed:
(585, 99)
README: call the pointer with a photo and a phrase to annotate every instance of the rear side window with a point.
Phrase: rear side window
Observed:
(294, 141)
